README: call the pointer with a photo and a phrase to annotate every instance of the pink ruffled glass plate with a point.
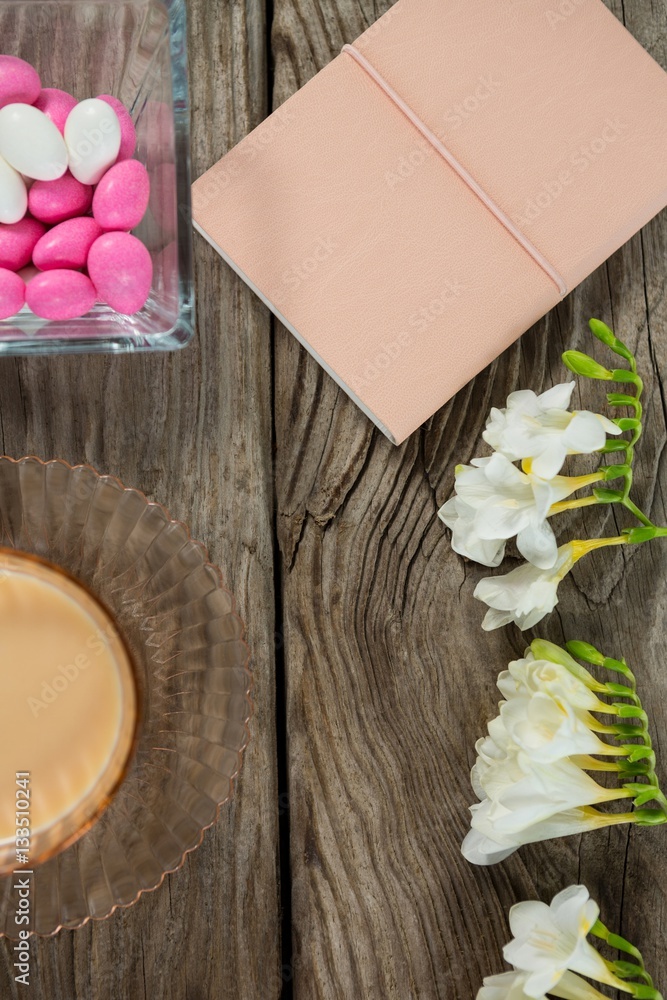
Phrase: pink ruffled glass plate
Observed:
(186, 640)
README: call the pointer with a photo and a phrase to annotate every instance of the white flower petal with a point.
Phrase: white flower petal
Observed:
(504, 592)
(473, 487)
(524, 401)
(487, 553)
(541, 428)
(608, 425)
(508, 686)
(539, 983)
(496, 619)
(588, 962)
(503, 475)
(558, 397)
(574, 908)
(449, 512)
(584, 435)
(525, 916)
(533, 618)
(549, 462)
(571, 987)
(547, 492)
(537, 543)
(500, 518)
(478, 849)
(506, 986)
(460, 518)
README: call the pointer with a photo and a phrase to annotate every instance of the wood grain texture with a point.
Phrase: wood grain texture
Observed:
(192, 430)
(389, 677)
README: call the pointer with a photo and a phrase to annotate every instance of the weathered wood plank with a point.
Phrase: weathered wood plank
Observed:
(193, 430)
(389, 677)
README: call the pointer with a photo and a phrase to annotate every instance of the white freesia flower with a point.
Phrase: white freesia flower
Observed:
(483, 845)
(525, 594)
(495, 501)
(547, 710)
(530, 675)
(510, 986)
(550, 940)
(522, 793)
(466, 541)
(549, 729)
(473, 489)
(506, 986)
(542, 428)
(550, 952)
(528, 774)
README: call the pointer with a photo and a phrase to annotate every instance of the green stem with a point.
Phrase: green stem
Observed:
(616, 941)
(660, 797)
(620, 667)
(633, 760)
(630, 451)
(634, 509)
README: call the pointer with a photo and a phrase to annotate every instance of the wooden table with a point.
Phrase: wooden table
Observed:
(336, 872)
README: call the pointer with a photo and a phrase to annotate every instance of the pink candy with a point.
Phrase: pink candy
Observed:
(12, 293)
(56, 105)
(67, 245)
(61, 295)
(55, 201)
(18, 241)
(121, 197)
(121, 269)
(19, 82)
(128, 134)
(73, 248)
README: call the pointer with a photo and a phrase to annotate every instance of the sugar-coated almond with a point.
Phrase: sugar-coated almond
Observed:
(121, 198)
(66, 245)
(31, 143)
(13, 194)
(56, 201)
(12, 293)
(92, 135)
(19, 81)
(18, 241)
(60, 295)
(121, 269)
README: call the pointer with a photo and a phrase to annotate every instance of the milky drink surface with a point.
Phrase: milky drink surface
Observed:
(67, 705)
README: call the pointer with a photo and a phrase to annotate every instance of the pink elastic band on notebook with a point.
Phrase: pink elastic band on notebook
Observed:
(470, 181)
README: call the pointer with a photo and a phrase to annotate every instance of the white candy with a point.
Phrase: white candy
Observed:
(92, 134)
(31, 143)
(13, 194)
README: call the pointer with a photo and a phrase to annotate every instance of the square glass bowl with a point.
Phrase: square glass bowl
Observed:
(136, 51)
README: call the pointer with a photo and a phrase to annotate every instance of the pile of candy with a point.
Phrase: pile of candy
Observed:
(70, 192)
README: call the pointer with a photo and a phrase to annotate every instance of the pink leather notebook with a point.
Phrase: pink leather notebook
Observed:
(440, 186)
